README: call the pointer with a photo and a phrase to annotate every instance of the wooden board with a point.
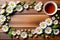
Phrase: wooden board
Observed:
(28, 19)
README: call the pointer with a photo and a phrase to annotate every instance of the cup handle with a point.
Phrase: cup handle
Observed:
(58, 9)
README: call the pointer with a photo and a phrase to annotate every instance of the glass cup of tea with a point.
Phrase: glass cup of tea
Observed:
(50, 8)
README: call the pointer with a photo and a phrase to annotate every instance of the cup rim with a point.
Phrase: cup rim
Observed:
(53, 4)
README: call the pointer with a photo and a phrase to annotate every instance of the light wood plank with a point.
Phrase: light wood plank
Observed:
(27, 20)
(57, 1)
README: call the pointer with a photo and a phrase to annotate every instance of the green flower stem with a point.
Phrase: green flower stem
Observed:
(28, 32)
(10, 33)
(42, 35)
(22, 3)
(52, 35)
(32, 3)
(55, 26)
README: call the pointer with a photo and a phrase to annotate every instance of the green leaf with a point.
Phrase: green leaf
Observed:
(52, 34)
(14, 10)
(0, 26)
(28, 32)
(6, 14)
(54, 30)
(32, 3)
(42, 35)
(10, 33)
(22, 3)
(55, 26)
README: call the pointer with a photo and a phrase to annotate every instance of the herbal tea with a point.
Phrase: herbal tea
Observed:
(50, 8)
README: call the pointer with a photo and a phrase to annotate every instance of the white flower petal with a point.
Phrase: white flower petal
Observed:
(12, 4)
(56, 31)
(24, 35)
(5, 28)
(4, 5)
(48, 21)
(19, 8)
(39, 30)
(18, 32)
(43, 25)
(9, 10)
(2, 11)
(56, 22)
(48, 30)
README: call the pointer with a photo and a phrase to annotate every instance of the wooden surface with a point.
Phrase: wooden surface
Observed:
(28, 19)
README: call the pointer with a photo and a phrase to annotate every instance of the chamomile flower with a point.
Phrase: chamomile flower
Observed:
(2, 18)
(24, 35)
(2, 11)
(37, 8)
(53, 18)
(18, 32)
(39, 30)
(4, 5)
(9, 10)
(33, 31)
(1, 22)
(19, 8)
(30, 35)
(14, 33)
(56, 15)
(26, 6)
(43, 25)
(8, 17)
(5, 28)
(48, 30)
(17, 2)
(55, 22)
(56, 31)
(12, 4)
(48, 21)
(40, 4)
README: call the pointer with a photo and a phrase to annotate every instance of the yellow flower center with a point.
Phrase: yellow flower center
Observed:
(12, 4)
(18, 7)
(9, 9)
(48, 30)
(37, 7)
(48, 21)
(42, 25)
(39, 30)
(23, 34)
(5, 28)
(2, 18)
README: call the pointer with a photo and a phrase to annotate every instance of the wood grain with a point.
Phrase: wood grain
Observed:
(28, 19)
(57, 1)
